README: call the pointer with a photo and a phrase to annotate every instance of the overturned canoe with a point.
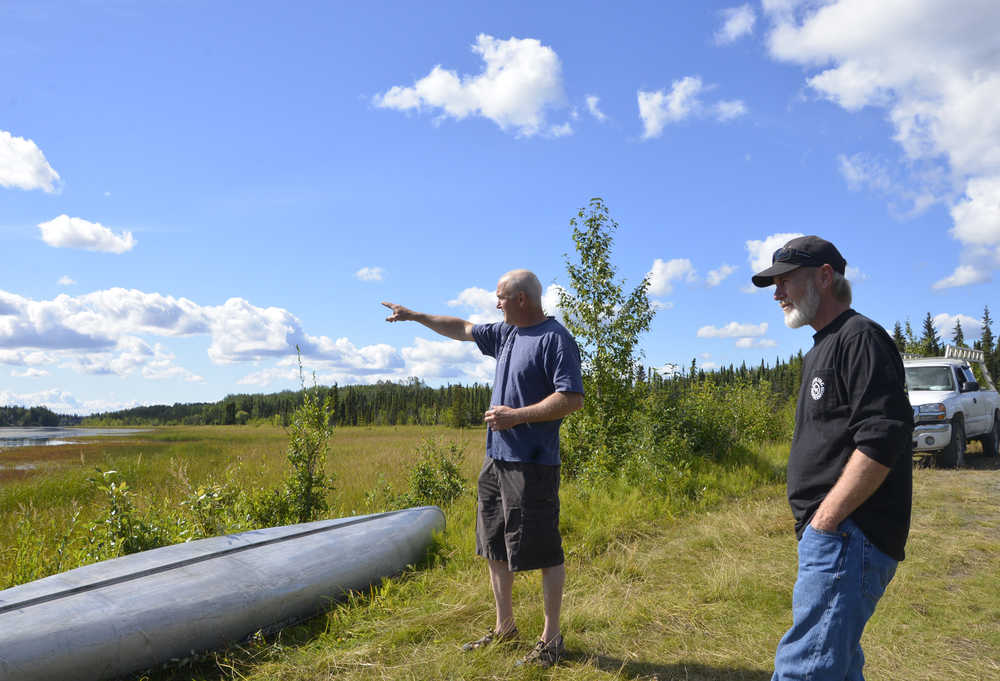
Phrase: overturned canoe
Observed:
(131, 613)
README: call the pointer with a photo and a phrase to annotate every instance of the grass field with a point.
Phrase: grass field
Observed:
(694, 587)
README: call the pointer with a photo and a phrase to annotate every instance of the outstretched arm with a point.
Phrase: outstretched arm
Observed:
(452, 327)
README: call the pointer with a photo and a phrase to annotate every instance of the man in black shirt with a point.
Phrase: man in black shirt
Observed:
(850, 468)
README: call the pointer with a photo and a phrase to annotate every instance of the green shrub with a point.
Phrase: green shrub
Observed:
(436, 478)
(120, 530)
(308, 443)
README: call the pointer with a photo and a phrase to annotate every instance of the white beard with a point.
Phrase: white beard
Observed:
(803, 311)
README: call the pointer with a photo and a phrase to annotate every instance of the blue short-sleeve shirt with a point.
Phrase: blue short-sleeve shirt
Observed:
(532, 363)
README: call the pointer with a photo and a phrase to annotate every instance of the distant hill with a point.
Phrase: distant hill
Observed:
(35, 416)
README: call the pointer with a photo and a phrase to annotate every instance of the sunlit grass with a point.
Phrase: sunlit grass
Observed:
(691, 583)
(700, 596)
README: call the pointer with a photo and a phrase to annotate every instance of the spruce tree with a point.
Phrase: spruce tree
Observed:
(990, 357)
(930, 342)
(898, 338)
(911, 342)
(957, 337)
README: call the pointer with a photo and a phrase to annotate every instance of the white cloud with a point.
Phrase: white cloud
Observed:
(717, 276)
(932, 65)
(663, 275)
(854, 275)
(67, 232)
(370, 274)
(737, 22)
(562, 130)
(728, 109)
(670, 370)
(657, 109)
(972, 328)
(66, 280)
(550, 301)
(448, 359)
(101, 333)
(733, 330)
(594, 109)
(964, 275)
(114, 332)
(63, 402)
(21, 357)
(336, 361)
(483, 304)
(660, 108)
(748, 342)
(918, 190)
(760, 252)
(977, 214)
(266, 377)
(343, 355)
(130, 355)
(521, 80)
(243, 332)
(23, 165)
(30, 372)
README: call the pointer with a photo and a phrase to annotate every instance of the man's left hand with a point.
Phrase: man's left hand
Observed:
(822, 522)
(500, 417)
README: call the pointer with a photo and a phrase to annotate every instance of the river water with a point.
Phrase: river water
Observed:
(32, 437)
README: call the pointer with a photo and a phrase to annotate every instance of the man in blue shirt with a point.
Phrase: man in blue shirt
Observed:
(538, 382)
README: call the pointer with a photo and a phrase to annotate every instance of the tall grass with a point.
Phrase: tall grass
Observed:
(672, 590)
(179, 483)
(692, 583)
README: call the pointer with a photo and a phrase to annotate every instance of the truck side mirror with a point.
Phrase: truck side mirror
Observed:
(970, 386)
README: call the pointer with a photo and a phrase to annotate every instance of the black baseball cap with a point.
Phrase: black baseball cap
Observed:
(803, 251)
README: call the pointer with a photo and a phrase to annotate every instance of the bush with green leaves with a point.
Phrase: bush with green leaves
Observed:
(436, 478)
(121, 530)
(309, 434)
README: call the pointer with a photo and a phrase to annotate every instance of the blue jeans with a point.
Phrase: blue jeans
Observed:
(841, 578)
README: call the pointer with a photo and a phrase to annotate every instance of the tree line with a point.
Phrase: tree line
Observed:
(21, 417)
(411, 402)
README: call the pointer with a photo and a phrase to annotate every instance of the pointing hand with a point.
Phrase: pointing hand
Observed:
(399, 313)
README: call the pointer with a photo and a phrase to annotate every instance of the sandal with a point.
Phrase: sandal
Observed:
(492, 636)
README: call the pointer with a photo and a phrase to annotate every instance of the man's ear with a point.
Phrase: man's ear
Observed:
(825, 276)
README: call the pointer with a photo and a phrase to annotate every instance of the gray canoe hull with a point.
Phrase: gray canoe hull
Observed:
(132, 613)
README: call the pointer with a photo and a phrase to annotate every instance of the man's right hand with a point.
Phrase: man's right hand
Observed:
(399, 313)
(452, 327)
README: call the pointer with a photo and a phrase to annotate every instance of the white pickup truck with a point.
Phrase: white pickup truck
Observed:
(950, 407)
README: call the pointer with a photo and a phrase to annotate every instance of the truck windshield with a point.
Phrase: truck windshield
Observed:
(928, 378)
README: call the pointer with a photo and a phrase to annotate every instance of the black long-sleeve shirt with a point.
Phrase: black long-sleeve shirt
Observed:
(853, 397)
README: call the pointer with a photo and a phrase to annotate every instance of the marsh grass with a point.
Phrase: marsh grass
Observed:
(166, 467)
(691, 583)
(686, 590)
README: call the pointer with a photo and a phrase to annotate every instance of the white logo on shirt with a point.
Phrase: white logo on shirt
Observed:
(817, 388)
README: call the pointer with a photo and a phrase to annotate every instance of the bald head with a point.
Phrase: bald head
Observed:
(523, 281)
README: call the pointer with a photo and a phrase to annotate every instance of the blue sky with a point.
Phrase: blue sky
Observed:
(188, 189)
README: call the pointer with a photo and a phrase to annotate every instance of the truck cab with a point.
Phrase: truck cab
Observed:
(950, 407)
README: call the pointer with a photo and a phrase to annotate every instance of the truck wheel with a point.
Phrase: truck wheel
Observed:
(991, 441)
(953, 456)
